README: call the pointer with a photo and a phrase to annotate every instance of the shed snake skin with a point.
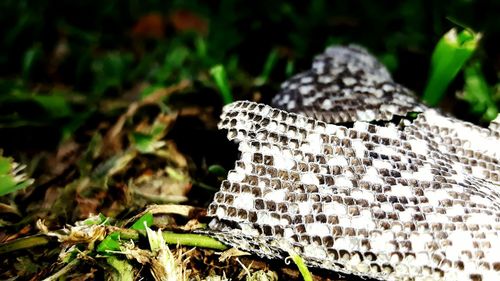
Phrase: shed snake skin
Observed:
(350, 170)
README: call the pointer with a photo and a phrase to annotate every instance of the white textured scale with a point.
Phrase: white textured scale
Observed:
(350, 82)
(414, 201)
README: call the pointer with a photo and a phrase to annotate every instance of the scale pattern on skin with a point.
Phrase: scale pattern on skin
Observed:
(415, 201)
(346, 84)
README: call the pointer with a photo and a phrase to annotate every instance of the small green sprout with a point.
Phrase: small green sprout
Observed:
(297, 259)
(290, 67)
(448, 58)
(218, 72)
(269, 65)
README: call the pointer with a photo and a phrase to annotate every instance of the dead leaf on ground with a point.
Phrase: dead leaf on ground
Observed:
(171, 153)
(88, 206)
(149, 26)
(233, 252)
(113, 140)
(185, 20)
(66, 155)
(162, 186)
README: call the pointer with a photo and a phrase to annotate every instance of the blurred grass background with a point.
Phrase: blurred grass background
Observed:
(62, 63)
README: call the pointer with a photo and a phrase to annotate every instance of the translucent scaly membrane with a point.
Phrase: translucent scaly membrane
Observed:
(346, 84)
(414, 201)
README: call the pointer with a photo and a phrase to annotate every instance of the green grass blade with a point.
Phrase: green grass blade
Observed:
(269, 65)
(30, 59)
(194, 240)
(289, 68)
(218, 72)
(145, 221)
(448, 58)
(24, 243)
(297, 259)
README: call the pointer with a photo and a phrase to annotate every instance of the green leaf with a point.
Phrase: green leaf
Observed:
(477, 92)
(30, 59)
(123, 270)
(11, 177)
(95, 220)
(158, 130)
(448, 58)
(217, 170)
(146, 143)
(173, 63)
(390, 60)
(142, 222)
(150, 140)
(110, 243)
(218, 73)
(56, 105)
(110, 71)
(5, 165)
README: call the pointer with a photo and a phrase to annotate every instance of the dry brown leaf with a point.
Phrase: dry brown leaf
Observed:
(112, 142)
(149, 26)
(185, 20)
(89, 206)
(233, 252)
(173, 154)
(51, 196)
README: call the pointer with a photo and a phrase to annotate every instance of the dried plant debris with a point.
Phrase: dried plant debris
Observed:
(126, 166)
(97, 247)
(417, 202)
